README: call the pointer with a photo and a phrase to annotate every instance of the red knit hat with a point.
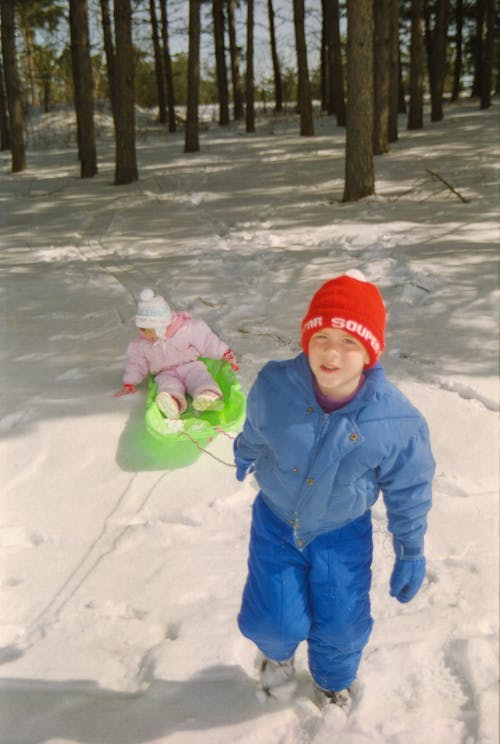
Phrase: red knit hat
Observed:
(349, 304)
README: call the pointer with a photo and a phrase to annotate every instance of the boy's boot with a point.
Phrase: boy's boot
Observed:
(277, 678)
(342, 698)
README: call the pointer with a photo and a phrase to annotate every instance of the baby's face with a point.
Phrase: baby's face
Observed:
(149, 333)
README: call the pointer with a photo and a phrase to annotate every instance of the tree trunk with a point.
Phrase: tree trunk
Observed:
(167, 61)
(480, 11)
(337, 68)
(159, 72)
(359, 173)
(109, 49)
(220, 62)
(125, 158)
(4, 118)
(381, 75)
(304, 88)
(30, 67)
(12, 85)
(416, 105)
(394, 76)
(250, 111)
(488, 55)
(84, 87)
(235, 62)
(457, 67)
(278, 84)
(438, 59)
(192, 138)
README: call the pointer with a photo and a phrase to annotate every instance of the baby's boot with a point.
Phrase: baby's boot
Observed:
(168, 405)
(207, 401)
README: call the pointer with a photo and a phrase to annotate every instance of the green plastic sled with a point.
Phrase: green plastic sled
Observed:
(195, 427)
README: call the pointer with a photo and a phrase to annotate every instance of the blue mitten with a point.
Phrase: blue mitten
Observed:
(407, 578)
(243, 466)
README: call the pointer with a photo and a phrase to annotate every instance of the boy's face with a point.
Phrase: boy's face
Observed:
(337, 360)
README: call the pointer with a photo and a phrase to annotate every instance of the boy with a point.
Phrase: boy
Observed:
(324, 433)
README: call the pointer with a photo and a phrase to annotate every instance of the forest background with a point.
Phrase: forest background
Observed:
(364, 62)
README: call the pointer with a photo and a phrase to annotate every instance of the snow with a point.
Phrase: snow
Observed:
(120, 578)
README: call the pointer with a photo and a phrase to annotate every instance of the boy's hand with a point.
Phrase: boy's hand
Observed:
(126, 390)
(243, 466)
(407, 578)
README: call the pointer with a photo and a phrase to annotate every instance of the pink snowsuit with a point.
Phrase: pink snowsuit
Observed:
(173, 359)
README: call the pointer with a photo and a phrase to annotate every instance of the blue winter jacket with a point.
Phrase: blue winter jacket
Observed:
(318, 471)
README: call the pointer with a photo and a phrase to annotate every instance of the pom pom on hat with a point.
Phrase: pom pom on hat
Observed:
(351, 304)
(152, 312)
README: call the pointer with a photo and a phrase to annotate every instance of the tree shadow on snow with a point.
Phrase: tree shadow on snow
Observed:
(34, 711)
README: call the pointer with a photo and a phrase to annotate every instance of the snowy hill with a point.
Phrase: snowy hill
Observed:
(120, 578)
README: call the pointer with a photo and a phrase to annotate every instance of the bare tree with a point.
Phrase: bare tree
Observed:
(125, 157)
(381, 75)
(304, 88)
(4, 117)
(359, 172)
(12, 85)
(488, 55)
(337, 72)
(234, 54)
(437, 58)
(416, 103)
(278, 84)
(250, 110)
(167, 63)
(192, 138)
(83, 87)
(158, 58)
(109, 49)
(220, 62)
(457, 67)
(394, 71)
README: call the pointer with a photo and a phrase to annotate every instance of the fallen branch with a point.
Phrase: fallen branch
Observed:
(448, 185)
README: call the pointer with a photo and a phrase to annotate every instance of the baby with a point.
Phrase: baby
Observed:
(168, 346)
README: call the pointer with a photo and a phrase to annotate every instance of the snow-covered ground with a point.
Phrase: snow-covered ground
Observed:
(120, 578)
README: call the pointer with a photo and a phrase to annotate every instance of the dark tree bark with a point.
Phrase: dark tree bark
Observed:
(416, 103)
(488, 55)
(158, 57)
(334, 74)
(278, 84)
(234, 54)
(12, 85)
(304, 88)
(394, 70)
(83, 87)
(359, 172)
(4, 116)
(167, 63)
(249, 78)
(381, 75)
(457, 67)
(220, 62)
(479, 12)
(109, 49)
(438, 58)
(192, 139)
(125, 158)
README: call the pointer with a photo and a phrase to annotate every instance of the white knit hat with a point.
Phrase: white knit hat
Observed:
(153, 312)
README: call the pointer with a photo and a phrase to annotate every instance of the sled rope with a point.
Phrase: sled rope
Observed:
(202, 449)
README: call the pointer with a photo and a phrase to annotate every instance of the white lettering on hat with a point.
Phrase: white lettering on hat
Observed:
(358, 329)
(316, 322)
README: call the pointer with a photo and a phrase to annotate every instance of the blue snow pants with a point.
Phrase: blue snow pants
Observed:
(319, 595)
